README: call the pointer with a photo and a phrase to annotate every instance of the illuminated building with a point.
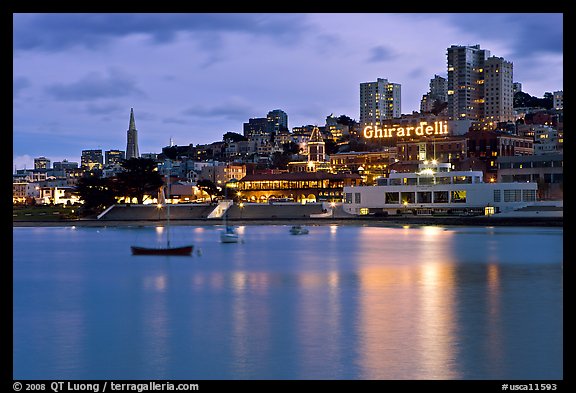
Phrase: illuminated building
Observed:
(379, 100)
(545, 169)
(444, 149)
(558, 100)
(113, 157)
(132, 138)
(297, 186)
(91, 159)
(498, 91)
(369, 165)
(466, 82)
(436, 189)
(41, 163)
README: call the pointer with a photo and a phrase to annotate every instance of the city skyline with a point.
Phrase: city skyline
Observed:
(193, 77)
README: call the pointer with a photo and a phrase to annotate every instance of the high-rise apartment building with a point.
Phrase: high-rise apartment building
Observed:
(41, 163)
(277, 121)
(438, 93)
(132, 138)
(91, 159)
(498, 90)
(113, 157)
(380, 100)
(466, 82)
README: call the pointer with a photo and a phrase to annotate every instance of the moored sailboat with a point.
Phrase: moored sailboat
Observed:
(168, 249)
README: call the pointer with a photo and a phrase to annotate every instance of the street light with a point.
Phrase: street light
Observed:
(332, 205)
(241, 206)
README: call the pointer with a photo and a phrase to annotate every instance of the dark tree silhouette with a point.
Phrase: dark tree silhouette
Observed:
(140, 177)
(209, 188)
(96, 193)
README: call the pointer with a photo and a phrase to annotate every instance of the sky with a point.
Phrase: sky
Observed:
(192, 77)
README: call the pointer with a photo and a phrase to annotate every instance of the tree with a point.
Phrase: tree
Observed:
(233, 137)
(438, 106)
(140, 177)
(209, 188)
(96, 193)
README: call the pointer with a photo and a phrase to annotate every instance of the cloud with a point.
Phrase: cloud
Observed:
(526, 33)
(380, 53)
(57, 32)
(19, 84)
(235, 108)
(94, 86)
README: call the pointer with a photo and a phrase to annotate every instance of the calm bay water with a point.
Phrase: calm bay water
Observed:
(343, 302)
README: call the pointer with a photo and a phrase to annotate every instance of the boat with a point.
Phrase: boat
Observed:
(229, 234)
(168, 249)
(298, 230)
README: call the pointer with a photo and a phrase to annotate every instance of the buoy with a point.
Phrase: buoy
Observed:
(199, 251)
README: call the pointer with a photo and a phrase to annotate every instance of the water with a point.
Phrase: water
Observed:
(343, 302)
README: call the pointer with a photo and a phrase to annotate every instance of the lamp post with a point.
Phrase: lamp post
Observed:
(241, 206)
(333, 206)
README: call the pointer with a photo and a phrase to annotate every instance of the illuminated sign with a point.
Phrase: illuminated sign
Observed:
(438, 128)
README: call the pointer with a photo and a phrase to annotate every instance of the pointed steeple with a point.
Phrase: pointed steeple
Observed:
(315, 136)
(132, 125)
(132, 138)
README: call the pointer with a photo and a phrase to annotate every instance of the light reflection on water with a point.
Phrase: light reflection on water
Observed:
(344, 302)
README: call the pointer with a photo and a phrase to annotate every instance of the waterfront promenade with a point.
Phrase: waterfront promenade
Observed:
(282, 213)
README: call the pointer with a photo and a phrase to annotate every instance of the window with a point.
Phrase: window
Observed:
(529, 195)
(348, 197)
(497, 196)
(424, 197)
(391, 198)
(440, 196)
(458, 196)
(512, 195)
(357, 197)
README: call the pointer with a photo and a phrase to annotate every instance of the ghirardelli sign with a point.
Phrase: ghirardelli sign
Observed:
(423, 129)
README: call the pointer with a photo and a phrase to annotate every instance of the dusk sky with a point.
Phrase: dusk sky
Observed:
(193, 77)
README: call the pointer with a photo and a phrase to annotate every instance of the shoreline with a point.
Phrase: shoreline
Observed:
(377, 221)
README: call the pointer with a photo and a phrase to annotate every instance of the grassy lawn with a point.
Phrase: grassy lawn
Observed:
(43, 213)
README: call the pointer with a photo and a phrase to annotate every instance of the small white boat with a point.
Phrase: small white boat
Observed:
(298, 230)
(229, 235)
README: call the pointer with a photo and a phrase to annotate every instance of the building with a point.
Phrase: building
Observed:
(113, 157)
(41, 163)
(498, 91)
(489, 145)
(438, 93)
(300, 187)
(277, 120)
(91, 159)
(255, 126)
(443, 149)
(435, 189)
(132, 138)
(558, 100)
(516, 87)
(65, 165)
(379, 101)
(220, 173)
(466, 82)
(545, 170)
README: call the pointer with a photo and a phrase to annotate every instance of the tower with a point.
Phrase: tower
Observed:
(316, 146)
(379, 101)
(466, 82)
(132, 144)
